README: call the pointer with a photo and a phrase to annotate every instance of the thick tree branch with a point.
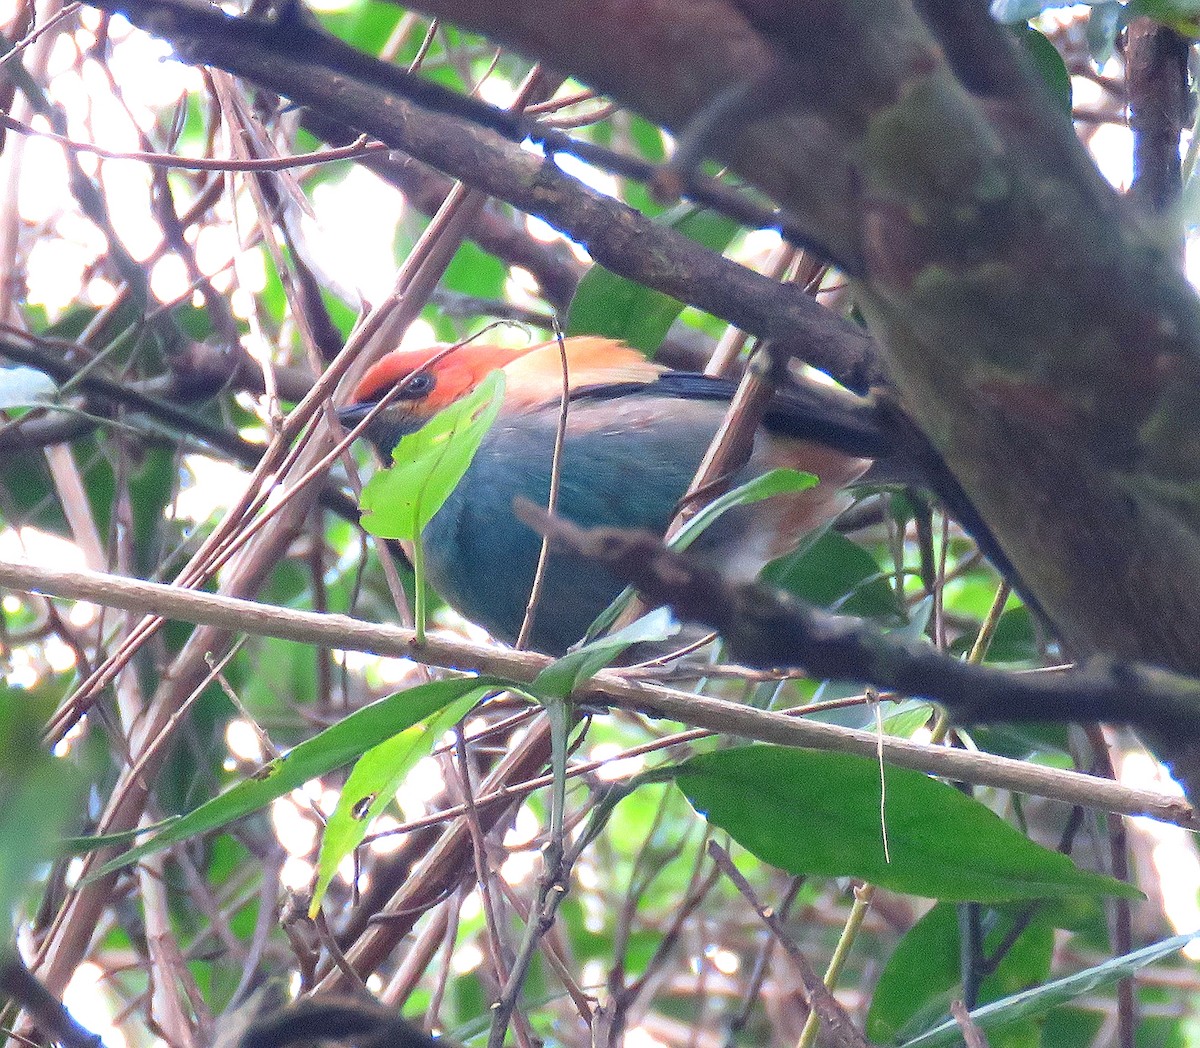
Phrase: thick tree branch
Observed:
(768, 629)
(608, 687)
(618, 237)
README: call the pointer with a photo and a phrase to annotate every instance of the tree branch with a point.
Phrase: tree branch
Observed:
(768, 629)
(1156, 70)
(608, 687)
(619, 238)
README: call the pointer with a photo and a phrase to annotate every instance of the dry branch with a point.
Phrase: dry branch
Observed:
(609, 687)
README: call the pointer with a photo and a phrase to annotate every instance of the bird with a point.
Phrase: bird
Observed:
(635, 434)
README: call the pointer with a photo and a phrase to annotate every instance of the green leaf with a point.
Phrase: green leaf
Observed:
(614, 306)
(1051, 995)
(564, 675)
(1048, 63)
(474, 272)
(337, 745)
(773, 482)
(818, 813)
(907, 718)
(39, 795)
(1027, 963)
(833, 572)
(923, 974)
(399, 501)
(372, 785)
(151, 490)
(918, 977)
(1015, 639)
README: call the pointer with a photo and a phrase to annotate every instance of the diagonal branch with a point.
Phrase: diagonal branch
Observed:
(350, 90)
(767, 628)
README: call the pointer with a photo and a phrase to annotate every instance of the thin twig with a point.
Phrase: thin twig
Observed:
(820, 999)
(46, 1010)
(560, 434)
(360, 148)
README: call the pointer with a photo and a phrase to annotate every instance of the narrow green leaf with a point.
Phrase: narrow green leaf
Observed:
(83, 845)
(818, 813)
(614, 306)
(372, 785)
(337, 745)
(563, 675)
(773, 482)
(1042, 998)
(399, 501)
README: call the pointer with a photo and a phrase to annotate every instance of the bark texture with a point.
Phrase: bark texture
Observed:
(1042, 337)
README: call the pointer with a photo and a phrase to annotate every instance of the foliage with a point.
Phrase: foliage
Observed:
(164, 322)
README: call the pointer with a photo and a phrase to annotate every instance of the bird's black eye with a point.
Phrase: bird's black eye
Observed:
(417, 385)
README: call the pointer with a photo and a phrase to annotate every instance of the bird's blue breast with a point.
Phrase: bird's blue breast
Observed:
(625, 463)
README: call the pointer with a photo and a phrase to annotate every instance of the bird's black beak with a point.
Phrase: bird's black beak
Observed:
(352, 414)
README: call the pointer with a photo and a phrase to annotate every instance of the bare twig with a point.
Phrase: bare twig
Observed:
(820, 999)
(972, 1034)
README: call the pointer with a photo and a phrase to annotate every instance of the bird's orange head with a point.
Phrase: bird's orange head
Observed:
(429, 380)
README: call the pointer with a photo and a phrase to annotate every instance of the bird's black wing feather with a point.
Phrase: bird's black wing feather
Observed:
(804, 413)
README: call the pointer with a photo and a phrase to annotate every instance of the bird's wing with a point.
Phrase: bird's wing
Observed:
(837, 421)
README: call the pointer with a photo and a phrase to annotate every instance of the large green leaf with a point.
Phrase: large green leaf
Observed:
(614, 306)
(38, 795)
(818, 813)
(337, 745)
(924, 971)
(1062, 991)
(372, 785)
(399, 501)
